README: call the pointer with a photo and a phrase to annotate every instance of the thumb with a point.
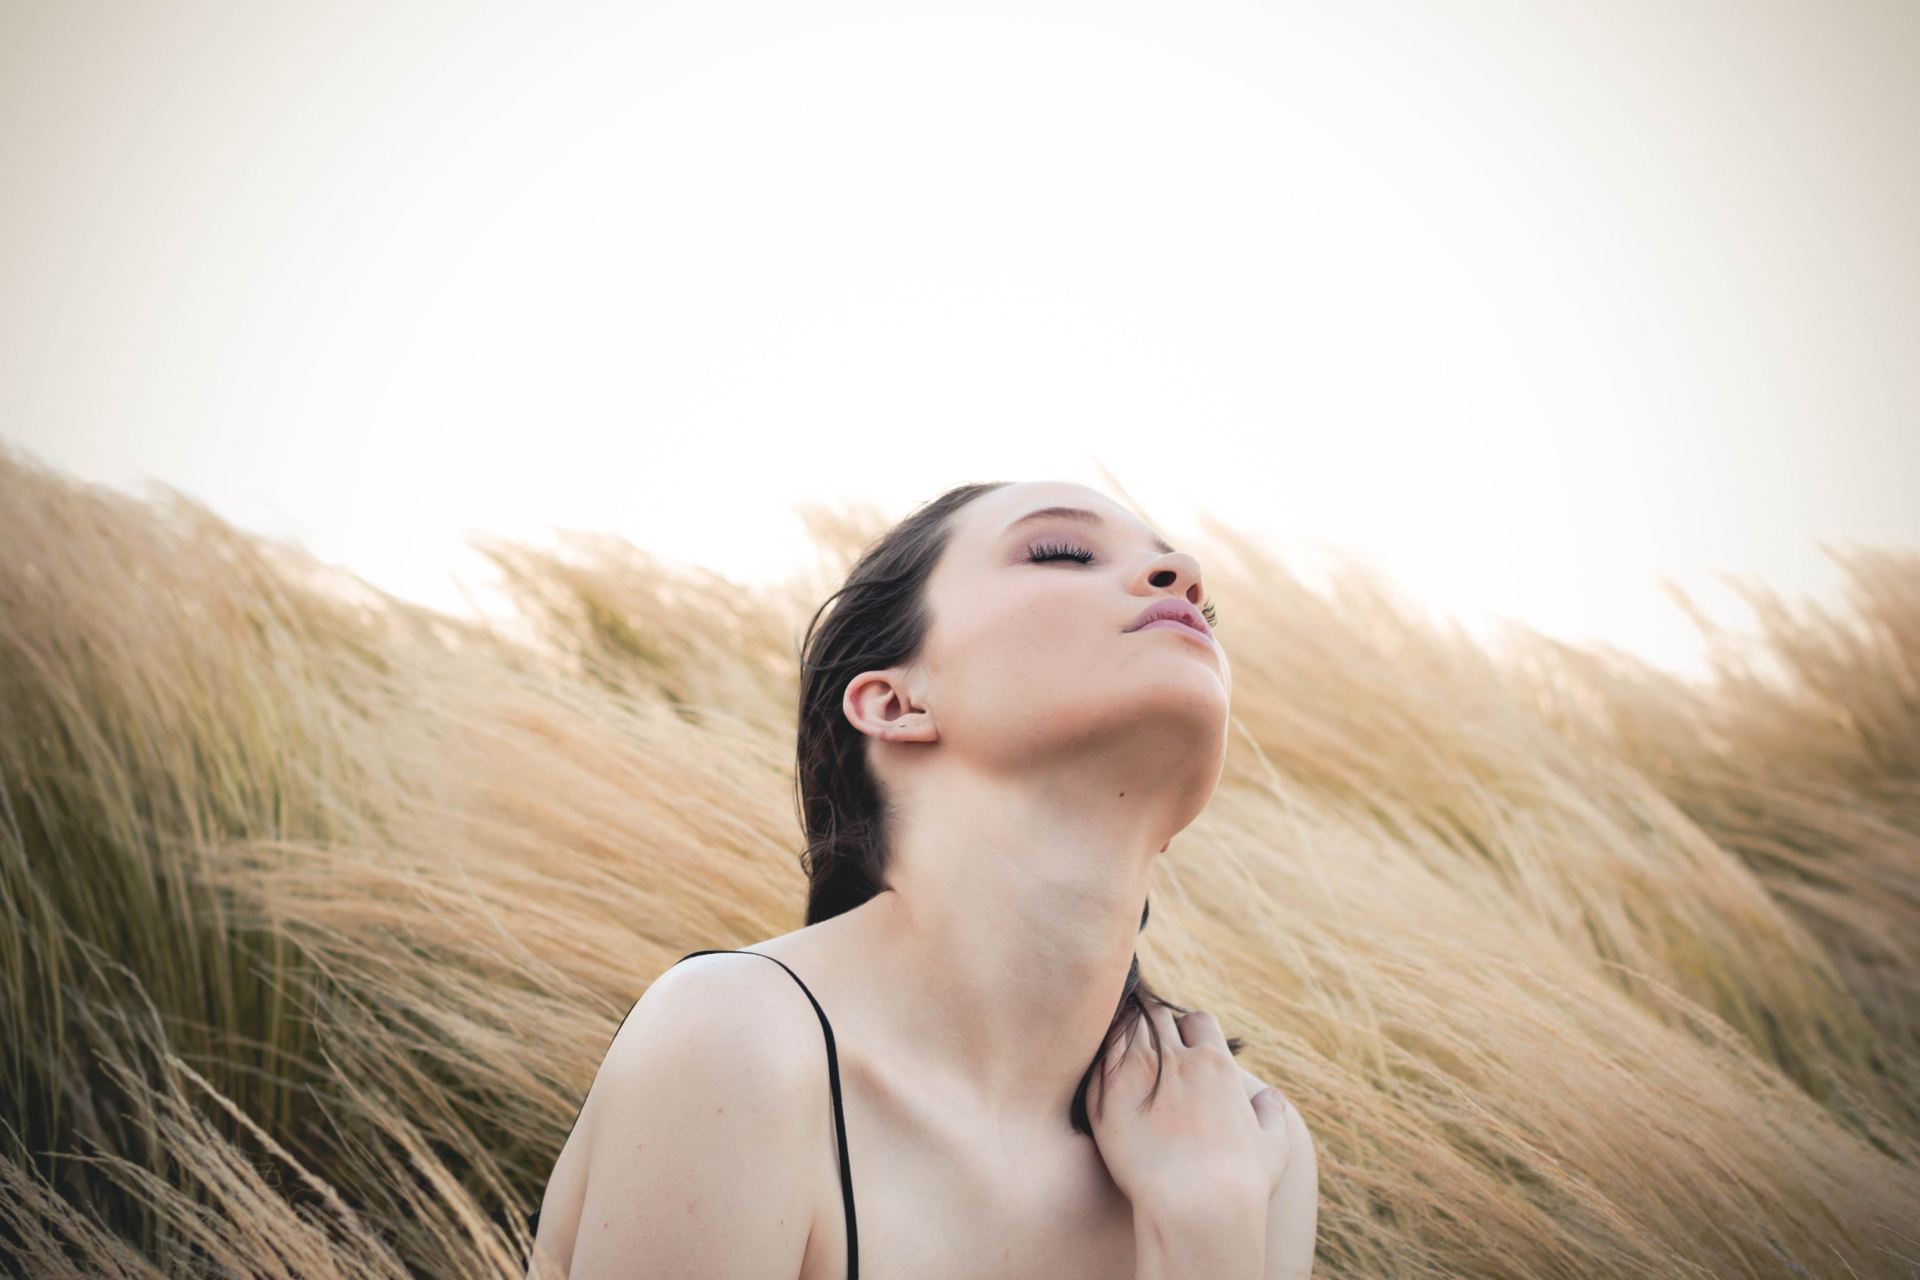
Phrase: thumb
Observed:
(1270, 1108)
(1270, 1105)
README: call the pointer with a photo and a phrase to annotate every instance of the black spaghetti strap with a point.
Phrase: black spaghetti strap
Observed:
(839, 1118)
(833, 1078)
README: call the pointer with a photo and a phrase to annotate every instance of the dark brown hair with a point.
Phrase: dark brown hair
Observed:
(879, 619)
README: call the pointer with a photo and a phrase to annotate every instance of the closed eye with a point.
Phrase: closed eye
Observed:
(1041, 552)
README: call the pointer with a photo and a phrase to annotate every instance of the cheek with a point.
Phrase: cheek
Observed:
(1013, 669)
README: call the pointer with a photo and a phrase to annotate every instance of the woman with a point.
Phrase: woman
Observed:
(992, 752)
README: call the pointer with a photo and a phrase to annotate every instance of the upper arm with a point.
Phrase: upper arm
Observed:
(1294, 1211)
(700, 1137)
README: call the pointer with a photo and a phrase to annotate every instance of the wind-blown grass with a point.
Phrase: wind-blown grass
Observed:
(319, 908)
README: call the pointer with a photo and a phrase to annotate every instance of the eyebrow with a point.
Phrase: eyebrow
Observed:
(1081, 514)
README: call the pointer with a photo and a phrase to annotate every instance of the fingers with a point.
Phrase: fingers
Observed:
(1125, 1045)
(1187, 1031)
(1201, 1027)
(1165, 1030)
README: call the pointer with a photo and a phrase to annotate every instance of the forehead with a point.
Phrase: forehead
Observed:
(988, 517)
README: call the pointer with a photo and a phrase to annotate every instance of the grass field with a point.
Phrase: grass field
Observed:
(319, 908)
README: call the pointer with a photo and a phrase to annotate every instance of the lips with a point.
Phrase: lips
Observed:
(1176, 609)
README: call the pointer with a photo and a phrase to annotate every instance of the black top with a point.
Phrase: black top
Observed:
(839, 1118)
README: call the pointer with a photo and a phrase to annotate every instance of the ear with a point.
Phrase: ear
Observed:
(878, 704)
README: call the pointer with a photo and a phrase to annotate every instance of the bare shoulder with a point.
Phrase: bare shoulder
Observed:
(700, 1125)
(737, 1014)
(733, 999)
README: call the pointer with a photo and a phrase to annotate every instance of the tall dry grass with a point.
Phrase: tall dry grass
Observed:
(320, 907)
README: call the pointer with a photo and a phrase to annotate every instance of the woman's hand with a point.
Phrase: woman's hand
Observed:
(1201, 1138)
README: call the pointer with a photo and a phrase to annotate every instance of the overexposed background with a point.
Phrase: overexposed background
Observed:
(1532, 306)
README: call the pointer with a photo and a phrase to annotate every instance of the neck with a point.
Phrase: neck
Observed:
(1010, 920)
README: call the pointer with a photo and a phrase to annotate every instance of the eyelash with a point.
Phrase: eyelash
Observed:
(1042, 552)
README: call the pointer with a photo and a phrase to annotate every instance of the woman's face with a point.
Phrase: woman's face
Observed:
(1029, 656)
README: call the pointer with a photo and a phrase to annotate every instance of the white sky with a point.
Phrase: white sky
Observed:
(1531, 305)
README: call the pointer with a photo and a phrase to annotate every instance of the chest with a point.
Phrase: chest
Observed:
(935, 1202)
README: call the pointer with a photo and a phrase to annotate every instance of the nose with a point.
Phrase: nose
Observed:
(1180, 571)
